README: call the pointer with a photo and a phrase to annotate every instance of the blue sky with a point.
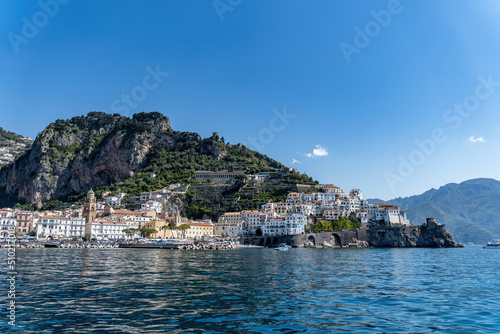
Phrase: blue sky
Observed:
(352, 118)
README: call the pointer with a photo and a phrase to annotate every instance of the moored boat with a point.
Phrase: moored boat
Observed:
(283, 247)
(495, 245)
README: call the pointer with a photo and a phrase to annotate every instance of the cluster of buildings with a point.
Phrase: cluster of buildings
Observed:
(148, 201)
(331, 203)
(23, 221)
(249, 222)
(10, 149)
(99, 221)
(105, 220)
(290, 217)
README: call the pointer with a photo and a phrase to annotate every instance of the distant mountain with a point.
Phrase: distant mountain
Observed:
(12, 145)
(470, 210)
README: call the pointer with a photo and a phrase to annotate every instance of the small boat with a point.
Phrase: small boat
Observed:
(490, 245)
(283, 247)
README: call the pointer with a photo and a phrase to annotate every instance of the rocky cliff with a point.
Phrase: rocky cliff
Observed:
(71, 156)
(430, 235)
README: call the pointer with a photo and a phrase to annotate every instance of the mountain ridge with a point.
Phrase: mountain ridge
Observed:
(102, 150)
(469, 209)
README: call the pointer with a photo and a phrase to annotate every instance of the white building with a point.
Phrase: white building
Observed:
(152, 206)
(274, 227)
(6, 213)
(289, 225)
(305, 209)
(115, 201)
(108, 230)
(252, 220)
(140, 221)
(327, 197)
(60, 227)
(388, 214)
(5, 223)
(309, 198)
(295, 224)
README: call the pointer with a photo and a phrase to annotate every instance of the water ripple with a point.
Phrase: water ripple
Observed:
(256, 291)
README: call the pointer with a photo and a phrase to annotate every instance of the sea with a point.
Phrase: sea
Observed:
(390, 290)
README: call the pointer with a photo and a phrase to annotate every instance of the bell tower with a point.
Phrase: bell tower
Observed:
(89, 207)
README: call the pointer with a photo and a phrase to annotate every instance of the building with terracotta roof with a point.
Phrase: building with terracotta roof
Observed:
(197, 230)
(386, 214)
(330, 188)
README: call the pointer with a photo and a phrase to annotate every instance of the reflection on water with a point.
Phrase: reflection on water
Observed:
(256, 291)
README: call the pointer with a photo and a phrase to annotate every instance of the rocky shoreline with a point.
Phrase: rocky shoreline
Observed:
(67, 245)
(209, 247)
(429, 235)
(18, 245)
(201, 246)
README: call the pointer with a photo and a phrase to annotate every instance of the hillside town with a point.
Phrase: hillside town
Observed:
(10, 149)
(107, 219)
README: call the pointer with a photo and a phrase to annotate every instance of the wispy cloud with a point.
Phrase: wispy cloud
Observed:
(319, 151)
(295, 161)
(474, 140)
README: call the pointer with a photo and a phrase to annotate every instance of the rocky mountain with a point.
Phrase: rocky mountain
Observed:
(71, 156)
(12, 145)
(470, 210)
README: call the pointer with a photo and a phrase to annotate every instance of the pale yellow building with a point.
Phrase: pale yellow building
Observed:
(157, 225)
(198, 230)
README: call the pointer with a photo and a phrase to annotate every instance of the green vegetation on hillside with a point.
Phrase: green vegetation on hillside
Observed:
(171, 157)
(351, 223)
(7, 135)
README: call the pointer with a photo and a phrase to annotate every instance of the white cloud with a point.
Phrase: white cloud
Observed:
(294, 161)
(319, 151)
(474, 140)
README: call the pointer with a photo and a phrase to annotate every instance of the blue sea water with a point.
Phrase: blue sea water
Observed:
(254, 291)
